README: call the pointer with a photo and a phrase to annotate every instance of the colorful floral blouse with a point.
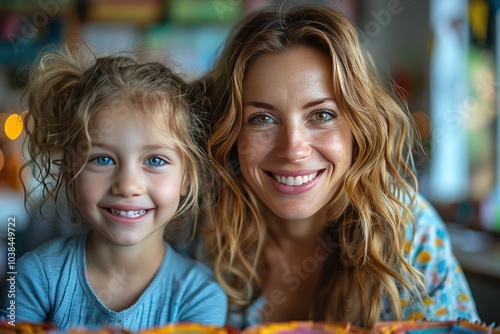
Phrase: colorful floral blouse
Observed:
(431, 254)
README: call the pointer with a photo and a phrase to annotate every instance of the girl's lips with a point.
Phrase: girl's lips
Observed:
(127, 216)
(128, 213)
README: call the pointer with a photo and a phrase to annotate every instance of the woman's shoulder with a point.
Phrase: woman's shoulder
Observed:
(429, 233)
(425, 216)
(424, 208)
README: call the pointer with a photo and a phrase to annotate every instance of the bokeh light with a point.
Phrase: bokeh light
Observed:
(13, 126)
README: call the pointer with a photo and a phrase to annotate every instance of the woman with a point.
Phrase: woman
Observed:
(316, 212)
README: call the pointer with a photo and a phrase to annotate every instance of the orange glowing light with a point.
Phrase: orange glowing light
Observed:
(13, 126)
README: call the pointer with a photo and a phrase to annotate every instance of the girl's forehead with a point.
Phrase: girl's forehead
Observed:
(153, 116)
(157, 122)
(118, 112)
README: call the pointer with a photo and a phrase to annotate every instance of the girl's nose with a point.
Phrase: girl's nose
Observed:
(128, 182)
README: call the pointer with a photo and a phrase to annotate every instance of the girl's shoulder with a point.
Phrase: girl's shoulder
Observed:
(185, 264)
(61, 243)
(56, 249)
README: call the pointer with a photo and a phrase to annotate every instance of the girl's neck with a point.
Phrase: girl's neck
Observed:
(119, 275)
(144, 257)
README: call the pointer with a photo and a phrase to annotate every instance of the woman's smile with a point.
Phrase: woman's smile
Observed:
(298, 180)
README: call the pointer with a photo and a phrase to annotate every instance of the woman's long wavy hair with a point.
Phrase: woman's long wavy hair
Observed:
(369, 213)
(68, 87)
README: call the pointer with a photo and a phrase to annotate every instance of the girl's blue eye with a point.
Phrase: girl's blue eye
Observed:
(104, 160)
(155, 161)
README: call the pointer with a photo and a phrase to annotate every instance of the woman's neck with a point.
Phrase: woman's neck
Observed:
(296, 232)
(295, 255)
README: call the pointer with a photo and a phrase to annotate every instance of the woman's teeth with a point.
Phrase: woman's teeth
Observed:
(295, 180)
(128, 214)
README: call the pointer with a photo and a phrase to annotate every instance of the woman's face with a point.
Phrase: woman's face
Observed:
(295, 146)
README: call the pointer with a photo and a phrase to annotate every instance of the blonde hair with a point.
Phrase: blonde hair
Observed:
(68, 88)
(372, 210)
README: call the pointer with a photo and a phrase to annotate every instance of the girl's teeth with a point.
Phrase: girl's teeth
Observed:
(295, 181)
(128, 214)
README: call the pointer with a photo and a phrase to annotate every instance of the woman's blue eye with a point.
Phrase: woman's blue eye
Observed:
(103, 160)
(261, 119)
(155, 161)
(322, 116)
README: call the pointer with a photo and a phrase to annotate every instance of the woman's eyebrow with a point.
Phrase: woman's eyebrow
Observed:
(259, 104)
(317, 102)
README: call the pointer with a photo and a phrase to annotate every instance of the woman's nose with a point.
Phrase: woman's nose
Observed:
(128, 182)
(293, 142)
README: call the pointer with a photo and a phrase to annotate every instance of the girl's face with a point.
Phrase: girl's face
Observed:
(131, 185)
(295, 146)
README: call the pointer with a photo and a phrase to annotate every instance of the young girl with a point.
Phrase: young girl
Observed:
(118, 137)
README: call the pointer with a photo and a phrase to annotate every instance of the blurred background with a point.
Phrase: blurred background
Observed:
(443, 54)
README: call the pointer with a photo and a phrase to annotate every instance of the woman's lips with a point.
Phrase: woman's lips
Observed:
(295, 180)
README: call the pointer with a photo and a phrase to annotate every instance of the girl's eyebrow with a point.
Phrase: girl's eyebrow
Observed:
(170, 147)
(148, 147)
(101, 145)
